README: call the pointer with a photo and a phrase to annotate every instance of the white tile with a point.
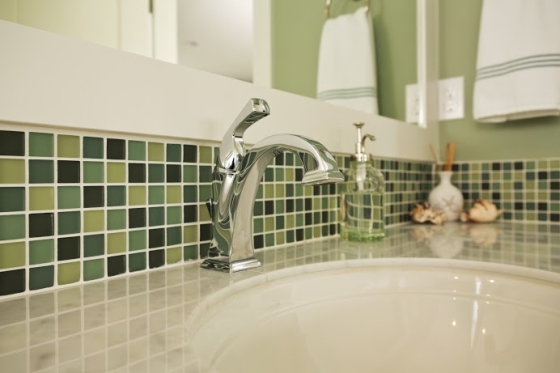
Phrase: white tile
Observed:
(118, 333)
(16, 361)
(95, 363)
(42, 330)
(138, 327)
(94, 341)
(69, 348)
(138, 305)
(42, 357)
(117, 310)
(13, 337)
(69, 323)
(94, 316)
(117, 357)
(69, 299)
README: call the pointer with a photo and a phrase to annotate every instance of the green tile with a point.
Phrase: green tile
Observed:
(190, 233)
(205, 154)
(41, 144)
(41, 198)
(69, 197)
(269, 239)
(204, 192)
(190, 252)
(173, 153)
(136, 150)
(190, 193)
(94, 172)
(279, 174)
(41, 277)
(12, 227)
(12, 199)
(280, 238)
(12, 171)
(137, 240)
(94, 220)
(68, 273)
(156, 216)
(280, 191)
(174, 215)
(156, 195)
(116, 195)
(69, 222)
(93, 147)
(258, 225)
(203, 214)
(156, 173)
(136, 262)
(173, 194)
(116, 243)
(94, 245)
(173, 236)
(68, 146)
(12, 255)
(41, 172)
(155, 152)
(41, 251)
(174, 255)
(116, 219)
(94, 269)
(116, 172)
(268, 224)
(190, 174)
(136, 195)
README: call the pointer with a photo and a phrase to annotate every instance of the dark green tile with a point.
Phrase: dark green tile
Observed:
(12, 199)
(94, 245)
(137, 262)
(41, 144)
(69, 222)
(41, 277)
(137, 240)
(12, 282)
(116, 219)
(41, 251)
(136, 150)
(116, 195)
(190, 193)
(41, 171)
(190, 252)
(94, 172)
(204, 192)
(12, 143)
(69, 197)
(93, 147)
(156, 173)
(174, 236)
(156, 216)
(94, 269)
(173, 153)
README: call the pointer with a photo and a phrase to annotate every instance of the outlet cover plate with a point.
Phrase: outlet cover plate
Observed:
(412, 103)
(451, 98)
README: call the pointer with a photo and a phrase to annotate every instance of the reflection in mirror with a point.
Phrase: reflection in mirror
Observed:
(218, 36)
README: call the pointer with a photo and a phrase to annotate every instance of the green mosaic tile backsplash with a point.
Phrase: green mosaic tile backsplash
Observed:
(78, 207)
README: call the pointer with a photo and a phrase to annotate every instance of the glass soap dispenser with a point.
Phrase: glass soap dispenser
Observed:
(362, 215)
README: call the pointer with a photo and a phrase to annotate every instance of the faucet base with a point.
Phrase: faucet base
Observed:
(224, 265)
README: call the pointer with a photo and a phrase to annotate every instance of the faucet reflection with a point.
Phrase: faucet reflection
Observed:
(236, 178)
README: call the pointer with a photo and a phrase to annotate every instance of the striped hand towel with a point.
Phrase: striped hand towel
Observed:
(346, 73)
(518, 67)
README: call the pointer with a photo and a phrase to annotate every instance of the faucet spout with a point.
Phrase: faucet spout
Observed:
(235, 192)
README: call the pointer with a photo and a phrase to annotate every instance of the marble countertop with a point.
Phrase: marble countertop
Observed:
(137, 323)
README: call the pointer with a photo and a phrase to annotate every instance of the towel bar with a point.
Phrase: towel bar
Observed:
(328, 6)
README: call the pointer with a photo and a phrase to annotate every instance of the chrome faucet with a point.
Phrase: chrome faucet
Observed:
(236, 178)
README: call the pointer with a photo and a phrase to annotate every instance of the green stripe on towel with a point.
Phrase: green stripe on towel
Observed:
(535, 57)
(534, 65)
(347, 93)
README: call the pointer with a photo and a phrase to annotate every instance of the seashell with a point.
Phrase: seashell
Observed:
(481, 212)
(423, 213)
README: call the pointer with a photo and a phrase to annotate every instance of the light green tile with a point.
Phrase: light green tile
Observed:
(136, 150)
(41, 251)
(136, 195)
(268, 224)
(94, 221)
(190, 174)
(190, 233)
(41, 144)
(205, 154)
(41, 198)
(280, 191)
(94, 269)
(156, 152)
(116, 219)
(156, 195)
(269, 191)
(137, 240)
(68, 146)
(174, 255)
(12, 171)
(12, 227)
(174, 215)
(116, 172)
(280, 238)
(174, 194)
(68, 273)
(203, 214)
(12, 255)
(69, 197)
(94, 172)
(116, 243)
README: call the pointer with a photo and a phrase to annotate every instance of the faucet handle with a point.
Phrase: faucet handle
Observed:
(232, 149)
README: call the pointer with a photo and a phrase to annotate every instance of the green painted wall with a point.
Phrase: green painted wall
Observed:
(532, 138)
(296, 33)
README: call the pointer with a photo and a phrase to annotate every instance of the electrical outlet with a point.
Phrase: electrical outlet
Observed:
(451, 98)
(412, 103)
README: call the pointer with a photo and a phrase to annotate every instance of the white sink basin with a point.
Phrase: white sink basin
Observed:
(398, 315)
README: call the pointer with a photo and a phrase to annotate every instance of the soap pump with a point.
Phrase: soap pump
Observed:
(362, 215)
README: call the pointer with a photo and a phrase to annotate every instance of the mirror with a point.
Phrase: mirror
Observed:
(282, 36)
